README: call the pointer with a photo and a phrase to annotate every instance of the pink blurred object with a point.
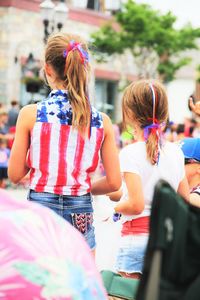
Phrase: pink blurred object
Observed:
(42, 256)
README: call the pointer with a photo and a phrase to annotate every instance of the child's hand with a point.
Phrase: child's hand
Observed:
(116, 217)
(113, 216)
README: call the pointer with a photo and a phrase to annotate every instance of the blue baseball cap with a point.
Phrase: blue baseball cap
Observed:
(191, 148)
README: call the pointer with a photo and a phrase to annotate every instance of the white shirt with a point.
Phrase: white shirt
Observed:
(133, 159)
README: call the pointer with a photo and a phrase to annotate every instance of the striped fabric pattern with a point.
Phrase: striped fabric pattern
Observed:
(61, 160)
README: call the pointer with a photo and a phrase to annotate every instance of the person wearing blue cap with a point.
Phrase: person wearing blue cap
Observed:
(191, 151)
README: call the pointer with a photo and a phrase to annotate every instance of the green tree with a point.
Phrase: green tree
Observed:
(198, 73)
(152, 38)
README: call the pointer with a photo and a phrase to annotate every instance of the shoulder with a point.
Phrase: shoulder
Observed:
(173, 147)
(136, 148)
(27, 115)
(30, 108)
(107, 123)
(133, 158)
(105, 117)
(172, 154)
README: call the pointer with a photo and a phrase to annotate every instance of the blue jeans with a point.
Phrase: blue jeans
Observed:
(130, 257)
(77, 210)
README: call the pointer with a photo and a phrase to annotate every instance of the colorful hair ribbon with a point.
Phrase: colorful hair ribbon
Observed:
(153, 128)
(77, 46)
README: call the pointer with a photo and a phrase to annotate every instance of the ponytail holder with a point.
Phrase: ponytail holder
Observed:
(152, 128)
(77, 46)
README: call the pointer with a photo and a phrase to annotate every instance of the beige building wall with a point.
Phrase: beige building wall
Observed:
(21, 33)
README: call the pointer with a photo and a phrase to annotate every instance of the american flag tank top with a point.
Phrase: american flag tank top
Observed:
(60, 159)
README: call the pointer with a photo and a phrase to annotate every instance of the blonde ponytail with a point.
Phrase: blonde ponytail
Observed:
(152, 146)
(64, 53)
(77, 86)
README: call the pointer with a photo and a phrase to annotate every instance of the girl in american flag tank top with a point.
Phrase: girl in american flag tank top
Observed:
(59, 139)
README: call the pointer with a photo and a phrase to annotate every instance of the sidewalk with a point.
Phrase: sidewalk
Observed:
(107, 233)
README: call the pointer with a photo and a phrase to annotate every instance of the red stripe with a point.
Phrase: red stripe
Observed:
(45, 137)
(77, 164)
(32, 174)
(62, 164)
(95, 159)
(136, 226)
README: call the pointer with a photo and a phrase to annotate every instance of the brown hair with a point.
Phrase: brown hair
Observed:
(73, 73)
(137, 106)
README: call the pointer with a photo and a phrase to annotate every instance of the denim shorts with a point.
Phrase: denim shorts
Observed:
(130, 257)
(77, 210)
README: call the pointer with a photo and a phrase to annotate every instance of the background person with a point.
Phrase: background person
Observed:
(3, 123)
(4, 129)
(12, 120)
(194, 106)
(191, 151)
(13, 113)
(4, 158)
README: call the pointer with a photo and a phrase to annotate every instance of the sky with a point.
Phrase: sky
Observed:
(185, 10)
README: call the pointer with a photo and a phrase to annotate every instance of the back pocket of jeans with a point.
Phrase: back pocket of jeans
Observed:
(82, 221)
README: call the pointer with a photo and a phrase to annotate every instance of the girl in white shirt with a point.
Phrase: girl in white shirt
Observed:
(143, 163)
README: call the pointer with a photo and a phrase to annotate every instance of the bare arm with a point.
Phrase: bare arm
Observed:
(135, 202)
(183, 189)
(17, 167)
(115, 196)
(109, 155)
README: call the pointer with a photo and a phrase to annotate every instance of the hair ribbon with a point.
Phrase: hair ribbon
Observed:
(155, 126)
(77, 46)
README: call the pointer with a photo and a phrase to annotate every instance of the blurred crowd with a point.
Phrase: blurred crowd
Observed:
(8, 119)
(173, 132)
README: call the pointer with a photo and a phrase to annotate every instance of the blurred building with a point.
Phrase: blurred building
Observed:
(22, 48)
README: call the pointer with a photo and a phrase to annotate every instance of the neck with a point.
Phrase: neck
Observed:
(57, 86)
(138, 134)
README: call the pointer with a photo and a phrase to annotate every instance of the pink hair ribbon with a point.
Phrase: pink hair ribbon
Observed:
(77, 46)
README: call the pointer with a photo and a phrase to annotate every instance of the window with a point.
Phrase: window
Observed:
(93, 4)
(105, 96)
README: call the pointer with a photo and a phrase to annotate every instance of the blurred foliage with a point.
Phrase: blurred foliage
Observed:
(150, 36)
(198, 73)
